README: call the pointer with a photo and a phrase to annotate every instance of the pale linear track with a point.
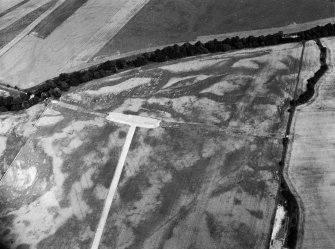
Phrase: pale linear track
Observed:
(133, 121)
(112, 188)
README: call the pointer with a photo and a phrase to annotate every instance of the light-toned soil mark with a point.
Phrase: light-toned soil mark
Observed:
(15, 129)
(310, 164)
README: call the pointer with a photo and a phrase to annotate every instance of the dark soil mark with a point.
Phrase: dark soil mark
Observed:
(55, 19)
(13, 8)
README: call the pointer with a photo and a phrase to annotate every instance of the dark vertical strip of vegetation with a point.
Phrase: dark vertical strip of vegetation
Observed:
(311, 82)
(292, 206)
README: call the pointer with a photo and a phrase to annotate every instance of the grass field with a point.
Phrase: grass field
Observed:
(173, 21)
(311, 162)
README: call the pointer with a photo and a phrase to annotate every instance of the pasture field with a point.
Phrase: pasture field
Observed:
(68, 40)
(311, 161)
(175, 21)
(53, 193)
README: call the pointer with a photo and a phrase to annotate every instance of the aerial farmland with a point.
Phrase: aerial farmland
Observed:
(146, 124)
(207, 176)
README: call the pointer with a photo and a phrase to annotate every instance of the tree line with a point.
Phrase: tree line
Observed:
(305, 96)
(54, 87)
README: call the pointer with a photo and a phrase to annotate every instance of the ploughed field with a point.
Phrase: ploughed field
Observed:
(175, 21)
(206, 178)
(311, 161)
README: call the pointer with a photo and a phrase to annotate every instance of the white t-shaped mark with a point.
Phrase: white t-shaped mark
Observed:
(133, 121)
(139, 121)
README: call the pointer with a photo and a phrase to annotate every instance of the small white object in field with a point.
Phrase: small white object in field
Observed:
(139, 121)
